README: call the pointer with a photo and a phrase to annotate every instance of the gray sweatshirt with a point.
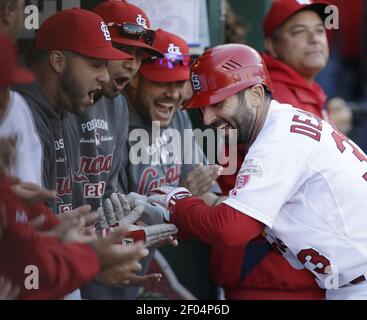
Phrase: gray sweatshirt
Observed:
(82, 155)
(58, 155)
(161, 169)
(99, 135)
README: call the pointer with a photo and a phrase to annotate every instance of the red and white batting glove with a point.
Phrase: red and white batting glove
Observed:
(150, 235)
(167, 196)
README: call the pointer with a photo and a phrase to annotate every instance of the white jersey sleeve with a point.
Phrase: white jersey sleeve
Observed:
(18, 121)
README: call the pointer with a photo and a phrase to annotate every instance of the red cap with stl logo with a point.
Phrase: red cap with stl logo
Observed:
(174, 66)
(116, 13)
(282, 10)
(80, 31)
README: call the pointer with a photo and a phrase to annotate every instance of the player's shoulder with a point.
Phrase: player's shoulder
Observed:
(284, 112)
(20, 109)
(283, 116)
(288, 125)
(19, 101)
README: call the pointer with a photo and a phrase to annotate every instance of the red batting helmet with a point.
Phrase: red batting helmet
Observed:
(225, 70)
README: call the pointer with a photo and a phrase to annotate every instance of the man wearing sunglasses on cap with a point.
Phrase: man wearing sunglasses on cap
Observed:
(98, 132)
(130, 31)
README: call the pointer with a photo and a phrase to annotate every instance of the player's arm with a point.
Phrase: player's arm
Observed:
(219, 226)
(61, 267)
(50, 219)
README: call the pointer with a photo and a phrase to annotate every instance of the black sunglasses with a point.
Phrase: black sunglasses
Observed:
(135, 32)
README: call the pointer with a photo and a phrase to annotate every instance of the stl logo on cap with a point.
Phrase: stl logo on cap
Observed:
(105, 31)
(141, 21)
(196, 84)
(303, 2)
(173, 49)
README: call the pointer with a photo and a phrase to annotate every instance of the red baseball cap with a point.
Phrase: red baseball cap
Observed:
(80, 31)
(174, 66)
(282, 10)
(10, 72)
(116, 13)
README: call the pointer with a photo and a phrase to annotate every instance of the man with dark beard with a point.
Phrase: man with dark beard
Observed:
(72, 50)
(296, 51)
(302, 184)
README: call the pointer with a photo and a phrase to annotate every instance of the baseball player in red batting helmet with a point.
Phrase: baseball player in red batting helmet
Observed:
(291, 186)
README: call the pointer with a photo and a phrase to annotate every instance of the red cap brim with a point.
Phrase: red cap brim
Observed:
(281, 11)
(105, 53)
(164, 75)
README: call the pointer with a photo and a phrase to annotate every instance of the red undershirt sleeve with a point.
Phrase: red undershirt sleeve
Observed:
(218, 226)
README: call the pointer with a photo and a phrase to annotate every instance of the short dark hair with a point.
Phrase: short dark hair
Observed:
(34, 56)
(268, 93)
(241, 94)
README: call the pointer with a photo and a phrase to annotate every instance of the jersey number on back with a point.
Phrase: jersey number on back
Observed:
(313, 130)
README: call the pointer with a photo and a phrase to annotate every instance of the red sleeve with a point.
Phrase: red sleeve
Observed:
(51, 220)
(62, 268)
(218, 226)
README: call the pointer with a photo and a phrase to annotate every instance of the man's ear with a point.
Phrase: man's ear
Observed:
(57, 61)
(270, 47)
(256, 94)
